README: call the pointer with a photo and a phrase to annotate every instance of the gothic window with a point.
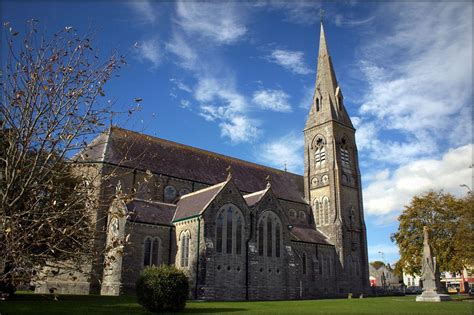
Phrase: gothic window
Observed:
(219, 227)
(316, 211)
(303, 258)
(229, 230)
(269, 235)
(277, 240)
(321, 214)
(151, 252)
(302, 216)
(184, 240)
(292, 213)
(320, 153)
(238, 236)
(345, 156)
(170, 193)
(260, 238)
(326, 210)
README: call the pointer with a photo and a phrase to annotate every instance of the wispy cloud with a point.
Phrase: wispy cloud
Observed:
(275, 100)
(144, 10)
(298, 12)
(286, 151)
(341, 20)
(220, 22)
(220, 102)
(179, 47)
(291, 60)
(389, 190)
(149, 50)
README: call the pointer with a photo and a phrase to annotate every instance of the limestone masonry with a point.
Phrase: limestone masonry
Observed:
(237, 229)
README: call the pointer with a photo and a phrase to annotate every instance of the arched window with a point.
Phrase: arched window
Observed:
(345, 157)
(320, 152)
(169, 193)
(269, 235)
(302, 216)
(229, 230)
(277, 240)
(303, 264)
(219, 227)
(260, 238)
(321, 214)
(326, 210)
(151, 251)
(184, 239)
(238, 236)
(292, 213)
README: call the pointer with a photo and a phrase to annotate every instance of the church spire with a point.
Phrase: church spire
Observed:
(327, 98)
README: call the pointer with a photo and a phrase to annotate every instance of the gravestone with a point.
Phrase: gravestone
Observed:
(430, 274)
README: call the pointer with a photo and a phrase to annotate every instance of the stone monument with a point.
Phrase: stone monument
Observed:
(430, 274)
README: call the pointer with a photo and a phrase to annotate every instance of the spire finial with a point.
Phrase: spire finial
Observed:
(321, 14)
(229, 172)
(268, 178)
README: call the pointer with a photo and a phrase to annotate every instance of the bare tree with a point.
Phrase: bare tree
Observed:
(52, 105)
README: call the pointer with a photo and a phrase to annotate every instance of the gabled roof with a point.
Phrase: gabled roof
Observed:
(308, 235)
(151, 212)
(196, 202)
(143, 152)
(253, 198)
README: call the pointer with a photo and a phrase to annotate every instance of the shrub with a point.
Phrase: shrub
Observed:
(163, 288)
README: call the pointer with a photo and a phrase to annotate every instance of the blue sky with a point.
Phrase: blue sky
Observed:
(237, 79)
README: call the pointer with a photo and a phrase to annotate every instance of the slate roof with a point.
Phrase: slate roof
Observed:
(255, 197)
(196, 202)
(308, 235)
(151, 212)
(135, 150)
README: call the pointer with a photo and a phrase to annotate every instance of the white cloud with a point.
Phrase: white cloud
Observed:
(144, 10)
(221, 103)
(180, 85)
(299, 12)
(275, 100)
(341, 20)
(149, 50)
(184, 104)
(425, 92)
(220, 22)
(388, 191)
(179, 46)
(287, 150)
(240, 129)
(291, 60)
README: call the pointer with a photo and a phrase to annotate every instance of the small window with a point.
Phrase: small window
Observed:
(183, 191)
(345, 156)
(292, 213)
(320, 153)
(170, 193)
(151, 252)
(302, 216)
(317, 104)
(185, 248)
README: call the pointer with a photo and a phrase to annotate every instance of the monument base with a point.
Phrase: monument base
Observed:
(432, 297)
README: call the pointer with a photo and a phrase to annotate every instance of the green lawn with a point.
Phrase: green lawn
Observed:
(73, 304)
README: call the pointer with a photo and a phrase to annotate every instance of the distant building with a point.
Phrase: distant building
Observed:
(411, 280)
(383, 276)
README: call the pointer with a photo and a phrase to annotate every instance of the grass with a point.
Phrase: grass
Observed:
(92, 304)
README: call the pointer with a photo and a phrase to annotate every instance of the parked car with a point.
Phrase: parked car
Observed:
(471, 291)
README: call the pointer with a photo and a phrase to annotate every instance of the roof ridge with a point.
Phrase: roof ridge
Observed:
(185, 146)
(154, 202)
(202, 190)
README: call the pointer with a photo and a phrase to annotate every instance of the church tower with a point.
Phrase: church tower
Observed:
(332, 177)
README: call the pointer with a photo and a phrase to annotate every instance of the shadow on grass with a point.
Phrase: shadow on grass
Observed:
(212, 310)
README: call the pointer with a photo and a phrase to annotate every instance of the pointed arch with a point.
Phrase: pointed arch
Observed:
(319, 147)
(325, 210)
(345, 153)
(184, 248)
(270, 239)
(229, 230)
(151, 251)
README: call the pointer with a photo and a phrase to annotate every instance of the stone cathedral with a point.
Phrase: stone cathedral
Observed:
(239, 230)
